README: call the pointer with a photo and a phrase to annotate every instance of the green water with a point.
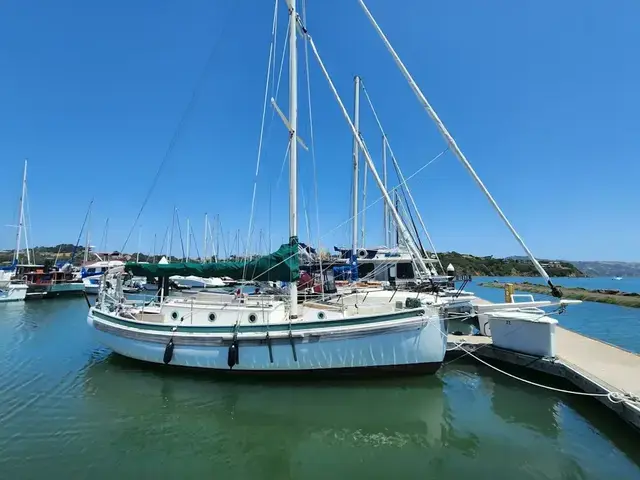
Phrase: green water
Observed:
(71, 409)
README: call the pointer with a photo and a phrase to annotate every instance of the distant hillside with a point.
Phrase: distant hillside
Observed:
(506, 267)
(609, 269)
(464, 264)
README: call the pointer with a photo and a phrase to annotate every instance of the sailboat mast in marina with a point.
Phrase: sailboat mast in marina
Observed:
(293, 147)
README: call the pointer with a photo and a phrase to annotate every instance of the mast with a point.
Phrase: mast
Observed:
(16, 254)
(456, 150)
(364, 206)
(387, 198)
(87, 236)
(385, 211)
(169, 247)
(106, 236)
(397, 204)
(188, 238)
(356, 155)
(138, 249)
(293, 153)
(206, 224)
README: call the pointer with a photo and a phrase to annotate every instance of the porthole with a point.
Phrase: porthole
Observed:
(252, 318)
(212, 317)
(174, 315)
(321, 315)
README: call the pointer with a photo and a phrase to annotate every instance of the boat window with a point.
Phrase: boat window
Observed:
(212, 317)
(174, 315)
(91, 270)
(321, 315)
(252, 318)
(404, 271)
(365, 269)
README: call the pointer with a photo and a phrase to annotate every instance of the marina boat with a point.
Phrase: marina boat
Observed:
(258, 334)
(12, 292)
(192, 281)
(393, 331)
(92, 273)
(6, 275)
(46, 282)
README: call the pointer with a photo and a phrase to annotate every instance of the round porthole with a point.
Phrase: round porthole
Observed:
(252, 318)
(321, 315)
(212, 317)
(174, 315)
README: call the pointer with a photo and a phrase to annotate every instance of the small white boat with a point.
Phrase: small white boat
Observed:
(617, 278)
(91, 285)
(191, 281)
(13, 292)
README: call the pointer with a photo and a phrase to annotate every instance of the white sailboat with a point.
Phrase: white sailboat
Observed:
(268, 335)
(11, 289)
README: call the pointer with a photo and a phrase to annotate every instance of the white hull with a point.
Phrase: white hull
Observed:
(415, 342)
(91, 285)
(13, 293)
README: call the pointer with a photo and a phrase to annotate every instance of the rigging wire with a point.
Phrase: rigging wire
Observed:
(350, 219)
(28, 233)
(400, 176)
(195, 94)
(180, 234)
(195, 242)
(164, 240)
(313, 150)
(264, 114)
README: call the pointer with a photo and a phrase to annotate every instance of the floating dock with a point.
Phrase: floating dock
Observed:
(591, 366)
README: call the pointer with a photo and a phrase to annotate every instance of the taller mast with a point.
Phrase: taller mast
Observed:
(293, 153)
(356, 181)
(16, 254)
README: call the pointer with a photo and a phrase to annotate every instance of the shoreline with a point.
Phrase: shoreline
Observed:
(612, 297)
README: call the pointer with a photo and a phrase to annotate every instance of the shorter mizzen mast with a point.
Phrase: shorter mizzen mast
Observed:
(456, 150)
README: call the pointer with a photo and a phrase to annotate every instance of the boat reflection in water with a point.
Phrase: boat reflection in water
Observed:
(297, 425)
(105, 413)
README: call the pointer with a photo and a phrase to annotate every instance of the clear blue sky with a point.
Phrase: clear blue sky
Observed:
(542, 96)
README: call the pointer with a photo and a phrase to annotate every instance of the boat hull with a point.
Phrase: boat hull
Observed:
(55, 290)
(13, 293)
(416, 347)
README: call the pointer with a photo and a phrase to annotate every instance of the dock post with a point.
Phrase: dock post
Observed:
(508, 292)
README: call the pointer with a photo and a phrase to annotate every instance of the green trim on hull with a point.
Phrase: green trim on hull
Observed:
(260, 328)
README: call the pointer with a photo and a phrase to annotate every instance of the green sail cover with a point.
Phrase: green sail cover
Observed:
(281, 265)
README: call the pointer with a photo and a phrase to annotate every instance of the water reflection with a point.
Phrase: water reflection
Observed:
(412, 407)
(72, 409)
